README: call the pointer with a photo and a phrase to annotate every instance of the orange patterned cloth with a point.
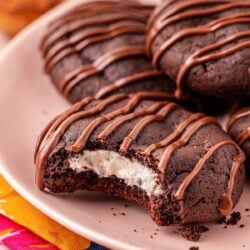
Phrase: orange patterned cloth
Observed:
(14, 207)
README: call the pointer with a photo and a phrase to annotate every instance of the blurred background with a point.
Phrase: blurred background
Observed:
(16, 14)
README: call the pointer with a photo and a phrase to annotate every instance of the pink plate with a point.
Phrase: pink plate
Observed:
(27, 102)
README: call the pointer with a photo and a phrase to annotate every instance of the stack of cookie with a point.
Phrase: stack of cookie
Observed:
(132, 72)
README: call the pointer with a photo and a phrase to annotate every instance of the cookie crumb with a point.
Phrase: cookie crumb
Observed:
(114, 214)
(194, 248)
(112, 208)
(193, 232)
(247, 209)
(234, 218)
(203, 229)
(242, 225)
(122, 214)
(135, 230)
(151, 236)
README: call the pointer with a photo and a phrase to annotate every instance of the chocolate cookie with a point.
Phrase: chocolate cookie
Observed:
(239, 129)
(180, 166)
(203, 44)
(98, 49)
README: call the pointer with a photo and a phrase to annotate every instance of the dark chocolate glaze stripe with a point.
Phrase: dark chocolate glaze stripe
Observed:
(173, 13)
(132, 103)
(76, 16)
(74, 109)
(227, 203)
(238, 115)
(157, 11)
(86, 11)
(245, 134)
(197, 57)
(141, 125)
(125, 81)
(161, 24)
(42, 136)
(178, 131)
(183, 140)
(124, 4)
(177, 13)
(68, 28)
(74, 77)
(204, 29)
(118, 122)
(178, 8)
(129, 29)
(53, 125)
(79, 37)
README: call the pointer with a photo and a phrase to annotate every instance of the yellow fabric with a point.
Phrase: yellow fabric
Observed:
(22, 212)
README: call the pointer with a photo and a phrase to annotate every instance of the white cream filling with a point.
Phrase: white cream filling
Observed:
(107, 163)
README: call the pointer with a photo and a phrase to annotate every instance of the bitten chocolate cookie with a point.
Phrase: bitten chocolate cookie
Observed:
(204, 45)
(239, 129)
(98, 49)
(180, 166)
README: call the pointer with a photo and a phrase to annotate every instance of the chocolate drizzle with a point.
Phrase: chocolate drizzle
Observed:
(100, 64)
(92, 23)
(127, 80)
(226, 204)
(136, 130)
(90, 9)
(170, 12)
(131, 109)
(60, 126)
(53, 125)
(179, 130)
(244, 135)
(183, 140)
(64, 48)
(116, 123)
